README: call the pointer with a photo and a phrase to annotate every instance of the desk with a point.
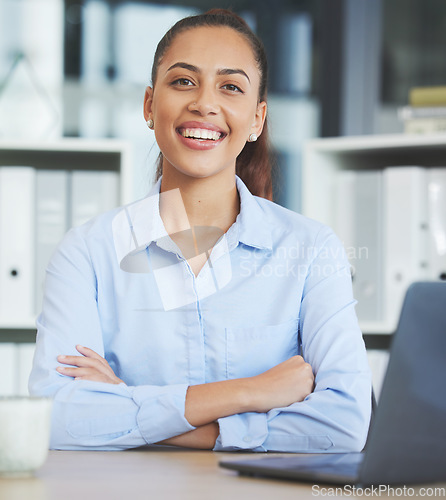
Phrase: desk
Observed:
(155, 473)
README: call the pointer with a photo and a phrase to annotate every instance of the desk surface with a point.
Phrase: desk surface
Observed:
(155, 473)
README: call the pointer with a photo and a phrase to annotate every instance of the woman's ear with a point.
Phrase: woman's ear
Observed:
(148, 99)
(259, 120)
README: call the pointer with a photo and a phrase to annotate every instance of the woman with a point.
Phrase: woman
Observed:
(203, 316)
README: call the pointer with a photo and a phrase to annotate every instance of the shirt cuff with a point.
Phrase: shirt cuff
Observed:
(161, 411)
(244, 431)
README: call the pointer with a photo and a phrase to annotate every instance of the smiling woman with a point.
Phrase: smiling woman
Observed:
(197, 93)
(188, 318)
(253, 164)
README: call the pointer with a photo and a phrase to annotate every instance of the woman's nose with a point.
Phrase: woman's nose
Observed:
(205, 103)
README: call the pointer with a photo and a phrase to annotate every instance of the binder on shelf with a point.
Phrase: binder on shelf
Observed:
(92, 193)
(405, 234)
(359, 223)
(51, 222)
(437, 222)
(17, 202)
(345, 208)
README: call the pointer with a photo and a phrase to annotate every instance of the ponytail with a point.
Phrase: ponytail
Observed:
(254, 165)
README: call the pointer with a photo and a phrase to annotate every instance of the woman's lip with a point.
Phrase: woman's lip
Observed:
(199, 144)
(202, 125)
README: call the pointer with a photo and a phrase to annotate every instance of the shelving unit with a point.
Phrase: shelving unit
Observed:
(323, 159)
(68, 154)
(72, 153)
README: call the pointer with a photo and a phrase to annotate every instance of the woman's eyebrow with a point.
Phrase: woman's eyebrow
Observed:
(229, 71)
(194, 69)
(184, 65)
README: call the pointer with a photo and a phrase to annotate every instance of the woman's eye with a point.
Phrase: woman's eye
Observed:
(232, 88)
(182, 82)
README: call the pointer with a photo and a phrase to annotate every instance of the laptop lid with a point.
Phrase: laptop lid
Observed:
(407, 441)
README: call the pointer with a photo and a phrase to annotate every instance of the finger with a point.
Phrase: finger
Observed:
(69, 360)
(86, 351)
(99, 378)
(73, 371)
(70, 371)
(93, 377)
(77, 360)
(93, 364)
(83, 362)
(85, 372)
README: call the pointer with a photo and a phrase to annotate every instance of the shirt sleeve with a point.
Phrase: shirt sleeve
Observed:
(335, 417)
(86, 414)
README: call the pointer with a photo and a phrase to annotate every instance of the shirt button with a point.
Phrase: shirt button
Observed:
(247, 439)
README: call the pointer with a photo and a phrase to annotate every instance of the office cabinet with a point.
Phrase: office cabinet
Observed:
(384, 196)
(46, 188)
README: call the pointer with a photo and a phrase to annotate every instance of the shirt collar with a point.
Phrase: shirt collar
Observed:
(251, 225)
(139, 224)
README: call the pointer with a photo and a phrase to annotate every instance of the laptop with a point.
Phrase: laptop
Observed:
(407, 438)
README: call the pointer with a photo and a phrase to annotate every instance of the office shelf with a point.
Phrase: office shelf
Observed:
(67, 154)
(324, 159)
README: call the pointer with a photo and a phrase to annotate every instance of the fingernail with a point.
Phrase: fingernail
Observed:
(61, 357)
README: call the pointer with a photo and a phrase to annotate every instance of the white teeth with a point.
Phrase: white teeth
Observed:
(200, 133)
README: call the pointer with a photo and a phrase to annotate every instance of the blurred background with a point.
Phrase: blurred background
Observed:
(337, 67)
(78, 69)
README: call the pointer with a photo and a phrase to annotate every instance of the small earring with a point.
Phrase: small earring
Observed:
(252, 138)
(150, 123)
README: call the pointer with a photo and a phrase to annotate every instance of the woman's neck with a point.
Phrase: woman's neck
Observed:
(211, 201)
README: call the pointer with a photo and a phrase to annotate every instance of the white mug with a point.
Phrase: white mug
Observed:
(24, 434)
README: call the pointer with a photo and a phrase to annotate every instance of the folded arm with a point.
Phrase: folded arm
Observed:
(284, 384)
(335, 416)
(276, 410)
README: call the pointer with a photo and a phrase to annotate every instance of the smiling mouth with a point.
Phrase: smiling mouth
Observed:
(201, 134)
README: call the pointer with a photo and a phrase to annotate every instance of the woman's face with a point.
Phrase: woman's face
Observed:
(205, 101)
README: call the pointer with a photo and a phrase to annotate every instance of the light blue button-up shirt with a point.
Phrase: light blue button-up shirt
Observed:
(275, 285)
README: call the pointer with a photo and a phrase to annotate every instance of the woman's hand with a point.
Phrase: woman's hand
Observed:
(282, 385)
(89, 366)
